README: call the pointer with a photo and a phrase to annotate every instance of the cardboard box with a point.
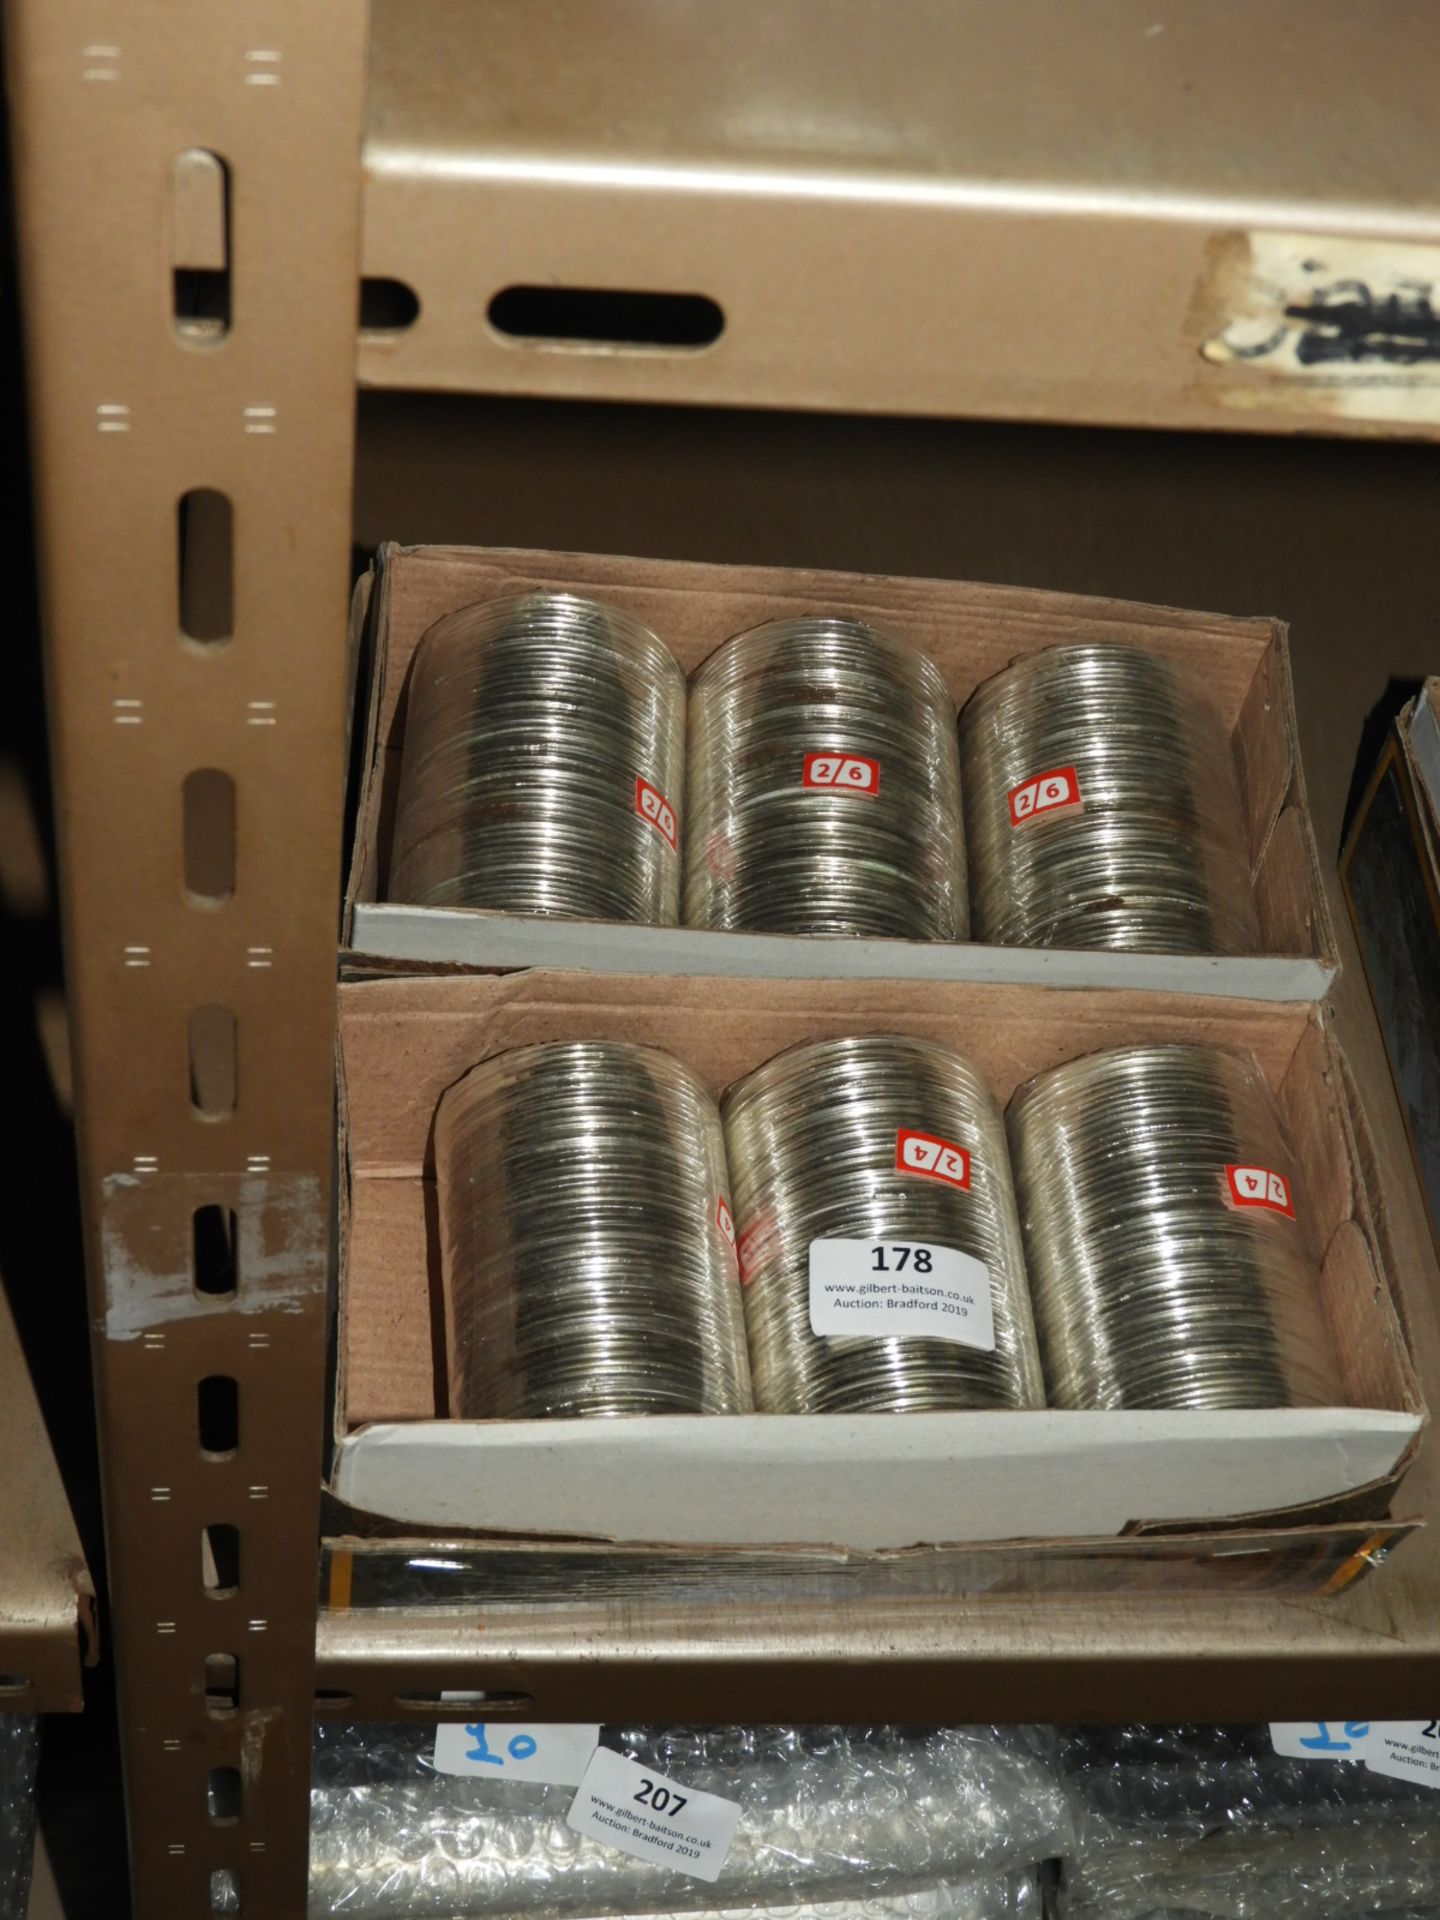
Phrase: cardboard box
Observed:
(1390, 870)
(858, 1483)
(970, 632)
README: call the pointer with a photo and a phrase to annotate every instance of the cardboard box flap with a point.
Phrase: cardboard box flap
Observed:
(728, 1480)
(694, 605)
(406, 1040)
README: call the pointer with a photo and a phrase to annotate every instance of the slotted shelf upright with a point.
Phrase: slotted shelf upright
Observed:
(47, 1602)
(1039, 213)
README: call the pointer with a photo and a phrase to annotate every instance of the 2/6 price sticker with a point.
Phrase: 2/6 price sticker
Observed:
(894, 1289)
(642, 1813)
(652, 805)
(842, 773)
(1045, 796)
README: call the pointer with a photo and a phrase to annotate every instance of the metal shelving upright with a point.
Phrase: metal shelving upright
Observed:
(47, 1601)
(1053, 216)
(199, 746)
(48, 1628)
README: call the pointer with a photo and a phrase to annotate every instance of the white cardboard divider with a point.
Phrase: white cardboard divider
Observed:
(471, 937)
(861, 1481)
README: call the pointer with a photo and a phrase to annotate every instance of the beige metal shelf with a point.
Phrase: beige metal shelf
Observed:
(47, 1601)
(1032, 211)
(1028, 212)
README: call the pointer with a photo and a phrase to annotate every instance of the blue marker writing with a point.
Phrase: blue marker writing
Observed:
(1326, 1742)
(522, 1747)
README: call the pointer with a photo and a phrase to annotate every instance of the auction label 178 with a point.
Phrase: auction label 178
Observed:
(891, 1289)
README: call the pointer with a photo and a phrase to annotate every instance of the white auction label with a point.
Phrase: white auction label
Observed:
(550, 1756)
(639, 1812)
(891, 1289)
(1319, 1739)
(1405, 1750)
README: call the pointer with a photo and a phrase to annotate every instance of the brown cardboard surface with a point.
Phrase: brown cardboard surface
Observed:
(970, 631)
(404, 1041)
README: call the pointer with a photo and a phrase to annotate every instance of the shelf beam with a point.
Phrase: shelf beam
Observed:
(946, 1663)
(1031, 211)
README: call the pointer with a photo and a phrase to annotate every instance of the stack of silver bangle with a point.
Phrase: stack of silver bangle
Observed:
(586, 1232)
(1169, 1252)
(543, 763)
(812, 1138)
(1102, 806)
(824, 787)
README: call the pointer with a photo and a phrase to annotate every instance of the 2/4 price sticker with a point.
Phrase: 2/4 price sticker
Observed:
(932, 1156)
(643, 1813)
(894, 1289)
(1259, 1187)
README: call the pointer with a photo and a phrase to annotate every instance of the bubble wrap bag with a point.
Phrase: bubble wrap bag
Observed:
(19, 1753)
(1390, 1913)
(1015, 1897)
(1370, 1913)
(1209, 1823)
(829, 1815)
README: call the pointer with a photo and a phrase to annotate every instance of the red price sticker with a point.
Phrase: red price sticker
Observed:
(725, 1221)
(753, 1245)
(936, 1159)
(1259, 1187)
(652, 805)
(843, 773)
(720, 854)
(1057, 791)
